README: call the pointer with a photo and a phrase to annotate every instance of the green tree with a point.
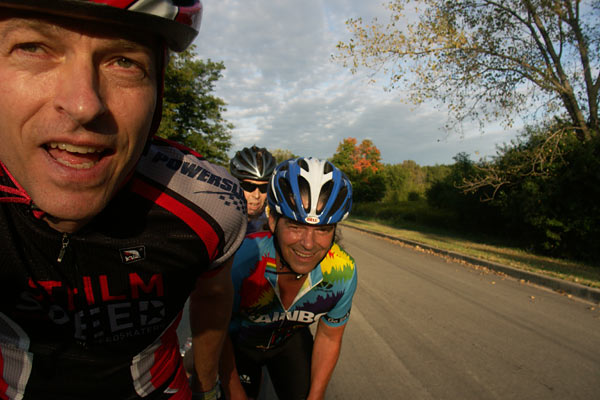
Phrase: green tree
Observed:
(344, 155)
(471, 213)
(396, 179)
(538, 152)
(405, 181)
(436, 173)
(192, 115)
(282, 155)
(552, 207)
(489, 59)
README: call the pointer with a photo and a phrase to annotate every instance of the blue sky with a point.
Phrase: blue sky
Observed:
(283, 91)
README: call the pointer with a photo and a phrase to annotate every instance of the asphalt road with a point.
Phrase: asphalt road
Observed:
(424, 327)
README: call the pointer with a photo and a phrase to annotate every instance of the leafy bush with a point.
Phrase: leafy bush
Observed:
(406, 213)
(560, 215)
(550, 194)
(541, 191)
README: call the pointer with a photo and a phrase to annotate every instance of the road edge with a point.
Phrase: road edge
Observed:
(559, 285)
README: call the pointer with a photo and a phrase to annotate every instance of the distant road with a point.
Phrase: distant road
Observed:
(422, 327)
(425, 328)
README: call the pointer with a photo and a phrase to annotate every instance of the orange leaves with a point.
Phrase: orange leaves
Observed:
(358, 158)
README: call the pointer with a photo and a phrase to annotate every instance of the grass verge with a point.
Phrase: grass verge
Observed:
(488, 249)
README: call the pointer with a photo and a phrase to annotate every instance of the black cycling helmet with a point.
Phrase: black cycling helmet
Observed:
(176, 21)
(254, 163)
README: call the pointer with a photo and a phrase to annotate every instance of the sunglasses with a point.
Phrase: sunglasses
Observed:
(251, 187)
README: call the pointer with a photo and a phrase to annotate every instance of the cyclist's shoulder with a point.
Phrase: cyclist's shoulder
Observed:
(340, 256)
(170, 167)
(338, 265)
(166, 156)
(201, 194)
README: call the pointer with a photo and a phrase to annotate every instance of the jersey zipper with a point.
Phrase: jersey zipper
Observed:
(285, 311)
(63, 249)
(86, 317)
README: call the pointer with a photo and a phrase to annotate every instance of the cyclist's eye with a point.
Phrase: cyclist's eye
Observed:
(128, 68)
(294, 227)
(325, 229)
(125, 63)
(29, 47)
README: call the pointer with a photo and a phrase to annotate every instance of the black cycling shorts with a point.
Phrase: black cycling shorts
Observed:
(288, 366)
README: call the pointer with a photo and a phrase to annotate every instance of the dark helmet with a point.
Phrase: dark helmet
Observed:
(327, 189)
(176, 21)
(254, 163)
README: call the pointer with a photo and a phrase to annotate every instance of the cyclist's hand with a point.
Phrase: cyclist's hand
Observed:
(237, 393)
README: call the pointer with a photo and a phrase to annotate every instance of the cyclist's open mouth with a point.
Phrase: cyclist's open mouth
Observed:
(74, 156)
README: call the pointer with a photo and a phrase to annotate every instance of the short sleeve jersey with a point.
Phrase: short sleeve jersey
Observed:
(259, 319)
(94, 314)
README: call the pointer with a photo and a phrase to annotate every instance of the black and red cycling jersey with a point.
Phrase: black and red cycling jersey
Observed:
(93, 314)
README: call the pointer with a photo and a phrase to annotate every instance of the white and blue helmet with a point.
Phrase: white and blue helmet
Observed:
(327, 191)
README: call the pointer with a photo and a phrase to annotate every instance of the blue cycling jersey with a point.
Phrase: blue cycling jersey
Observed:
(259, 318)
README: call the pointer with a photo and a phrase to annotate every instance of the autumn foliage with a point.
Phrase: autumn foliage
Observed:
(359, 158)
(362, 163)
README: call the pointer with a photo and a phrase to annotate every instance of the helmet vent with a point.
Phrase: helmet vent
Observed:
(303, 164)
(286, 190)
(327, 168)
(341, 197)
(304, 188)
(324, 196)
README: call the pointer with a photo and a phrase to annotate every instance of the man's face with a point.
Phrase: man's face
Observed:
(302, 246)
(256, 196)
(76, 108)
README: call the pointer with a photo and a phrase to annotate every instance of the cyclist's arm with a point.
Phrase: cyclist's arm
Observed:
(230, 379)
(210, 310)
(326, 350)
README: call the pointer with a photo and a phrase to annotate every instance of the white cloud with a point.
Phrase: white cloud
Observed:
(284, 92)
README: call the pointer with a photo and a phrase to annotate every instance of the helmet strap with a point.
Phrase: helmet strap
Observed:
(283, 261)
(163, 61)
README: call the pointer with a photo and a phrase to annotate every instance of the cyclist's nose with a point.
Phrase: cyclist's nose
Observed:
(308, 239)
(78, 91)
